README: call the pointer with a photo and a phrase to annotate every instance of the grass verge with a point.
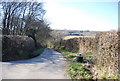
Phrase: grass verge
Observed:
(76, 70)
(36, 52)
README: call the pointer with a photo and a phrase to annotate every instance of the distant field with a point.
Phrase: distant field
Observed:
(70, 37)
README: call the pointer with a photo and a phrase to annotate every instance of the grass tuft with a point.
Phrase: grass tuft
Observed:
(77, 71)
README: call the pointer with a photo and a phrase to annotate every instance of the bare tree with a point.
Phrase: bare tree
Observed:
(19, 15)
(25, 18)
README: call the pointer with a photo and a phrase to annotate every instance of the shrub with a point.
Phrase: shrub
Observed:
(16, 47)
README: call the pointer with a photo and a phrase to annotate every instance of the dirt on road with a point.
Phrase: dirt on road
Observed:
(49, 65)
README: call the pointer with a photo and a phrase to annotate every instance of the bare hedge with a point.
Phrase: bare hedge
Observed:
(71, 44)
(82, 44)
(106, 52)
(16, 47)
(104, 47)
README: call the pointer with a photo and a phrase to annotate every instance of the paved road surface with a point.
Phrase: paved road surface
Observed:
(49, 65)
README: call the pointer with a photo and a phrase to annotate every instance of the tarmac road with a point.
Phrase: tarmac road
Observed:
(49, 65)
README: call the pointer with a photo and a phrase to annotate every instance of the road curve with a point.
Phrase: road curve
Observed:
(49, 65)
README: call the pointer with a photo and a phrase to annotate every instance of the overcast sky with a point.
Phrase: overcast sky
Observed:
(82, 15)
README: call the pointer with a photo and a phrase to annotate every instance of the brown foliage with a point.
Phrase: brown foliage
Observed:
(106, 51)
(16, 47)
(104, 47)
(82, 44)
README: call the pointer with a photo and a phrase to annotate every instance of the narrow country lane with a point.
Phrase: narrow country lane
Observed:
(49, 65)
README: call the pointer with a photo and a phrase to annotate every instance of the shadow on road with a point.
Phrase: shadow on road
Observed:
(49, 55)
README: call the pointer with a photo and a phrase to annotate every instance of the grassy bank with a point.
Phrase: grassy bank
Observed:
(76, 70)
(36, 52)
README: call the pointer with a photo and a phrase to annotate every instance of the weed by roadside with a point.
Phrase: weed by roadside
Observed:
(36, 52)
(76, 70)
